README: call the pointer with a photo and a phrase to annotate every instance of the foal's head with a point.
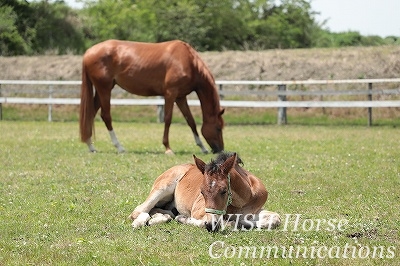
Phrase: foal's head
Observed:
(216, 187)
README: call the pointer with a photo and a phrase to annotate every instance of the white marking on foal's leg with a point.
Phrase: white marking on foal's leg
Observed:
(115, 141)
(141, 220)
(90, 145)
(199, 143)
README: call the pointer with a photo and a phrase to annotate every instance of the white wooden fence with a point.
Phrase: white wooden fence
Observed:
(281, 93)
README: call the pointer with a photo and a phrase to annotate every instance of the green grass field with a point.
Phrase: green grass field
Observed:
(61, 205)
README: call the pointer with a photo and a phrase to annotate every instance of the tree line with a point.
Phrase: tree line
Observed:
(42, 27)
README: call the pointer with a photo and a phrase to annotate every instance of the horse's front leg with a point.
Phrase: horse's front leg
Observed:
(115, 141)
(184, 107)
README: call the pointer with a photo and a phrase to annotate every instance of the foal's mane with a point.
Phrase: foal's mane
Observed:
(214, 165)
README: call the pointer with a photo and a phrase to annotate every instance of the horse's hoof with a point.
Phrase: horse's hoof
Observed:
(169, 152)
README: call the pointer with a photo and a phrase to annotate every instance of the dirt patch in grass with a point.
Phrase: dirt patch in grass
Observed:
(297, 64)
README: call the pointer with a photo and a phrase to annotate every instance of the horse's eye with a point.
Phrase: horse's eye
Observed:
(223, 192)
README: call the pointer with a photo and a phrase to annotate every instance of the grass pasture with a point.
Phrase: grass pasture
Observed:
(61, 205)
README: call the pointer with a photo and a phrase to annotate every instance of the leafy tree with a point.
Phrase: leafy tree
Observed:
(57, 28)
(44, 26)
(179, 19)
(122, 19)
(11, 42)
(289, 25)
(16, 32)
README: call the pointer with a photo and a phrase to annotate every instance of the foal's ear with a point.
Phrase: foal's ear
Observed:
(200, 164)
(222, 111)
(228, 164)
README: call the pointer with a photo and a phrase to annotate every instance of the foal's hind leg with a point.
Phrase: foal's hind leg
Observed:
(184, 107)
(161, 195)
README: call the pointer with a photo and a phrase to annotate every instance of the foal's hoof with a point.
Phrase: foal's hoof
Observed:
(141, 220)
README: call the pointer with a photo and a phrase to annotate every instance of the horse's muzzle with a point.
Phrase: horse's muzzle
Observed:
(216, 149)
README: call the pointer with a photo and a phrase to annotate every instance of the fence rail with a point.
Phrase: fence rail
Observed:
(281, 103)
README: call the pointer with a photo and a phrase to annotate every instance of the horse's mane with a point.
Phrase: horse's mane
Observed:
(214, 165)
(200, 66)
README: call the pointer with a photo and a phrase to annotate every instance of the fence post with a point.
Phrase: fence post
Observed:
(221, 95)
(370, 108)
(160, 112)
(282, 119)
(50, 105)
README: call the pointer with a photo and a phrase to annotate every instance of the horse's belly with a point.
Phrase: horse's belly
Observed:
(141, 90)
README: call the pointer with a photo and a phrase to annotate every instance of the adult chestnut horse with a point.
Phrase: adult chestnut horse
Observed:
(202, 194)
(171, 69)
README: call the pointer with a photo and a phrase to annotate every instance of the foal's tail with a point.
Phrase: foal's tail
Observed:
(86, 115)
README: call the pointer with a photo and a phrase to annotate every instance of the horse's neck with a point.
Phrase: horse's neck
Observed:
(209, 100)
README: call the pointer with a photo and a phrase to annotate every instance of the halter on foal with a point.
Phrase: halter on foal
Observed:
(171, 69)
(203, 194)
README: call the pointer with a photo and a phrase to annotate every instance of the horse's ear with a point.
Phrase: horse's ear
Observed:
(222, 111)
(228, 164)
(200, 164)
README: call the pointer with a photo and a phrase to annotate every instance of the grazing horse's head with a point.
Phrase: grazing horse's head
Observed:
(216, 188)
(212, 132)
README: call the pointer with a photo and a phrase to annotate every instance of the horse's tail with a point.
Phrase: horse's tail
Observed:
(86, 115)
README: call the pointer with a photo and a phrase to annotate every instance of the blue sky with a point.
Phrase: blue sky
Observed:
(368, 17)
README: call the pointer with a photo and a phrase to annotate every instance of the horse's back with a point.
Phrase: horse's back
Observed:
(120, 50)
(142, 68)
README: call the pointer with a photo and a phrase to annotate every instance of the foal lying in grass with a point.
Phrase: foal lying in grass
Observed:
(206, 195)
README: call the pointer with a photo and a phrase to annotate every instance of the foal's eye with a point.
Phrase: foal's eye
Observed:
(223, 192)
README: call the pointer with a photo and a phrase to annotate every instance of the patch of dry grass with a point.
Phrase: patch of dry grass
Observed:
(297, 64)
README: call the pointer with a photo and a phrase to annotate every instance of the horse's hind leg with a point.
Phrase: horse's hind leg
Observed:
(89, 142)
(106, 115)
(184, 107)
(168, 108)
